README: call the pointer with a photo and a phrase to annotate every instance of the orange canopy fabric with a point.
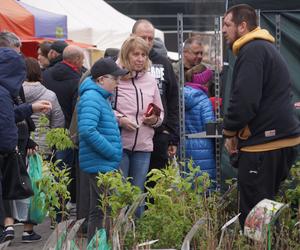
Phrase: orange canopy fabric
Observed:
(17, 19)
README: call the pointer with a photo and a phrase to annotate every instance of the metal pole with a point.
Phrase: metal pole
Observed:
(258, 16)
(217, 44)
(278, 32)
(181, 87)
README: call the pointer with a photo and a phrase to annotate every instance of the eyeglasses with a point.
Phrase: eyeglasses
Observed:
(114, 78)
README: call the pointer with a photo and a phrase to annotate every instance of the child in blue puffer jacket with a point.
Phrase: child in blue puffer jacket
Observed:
(198, 112)
(100, 147)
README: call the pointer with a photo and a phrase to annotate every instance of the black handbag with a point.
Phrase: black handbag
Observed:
(16, 183)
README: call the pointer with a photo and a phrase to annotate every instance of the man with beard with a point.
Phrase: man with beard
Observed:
(259, 124)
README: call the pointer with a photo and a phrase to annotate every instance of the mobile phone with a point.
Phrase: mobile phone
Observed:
(152, 109)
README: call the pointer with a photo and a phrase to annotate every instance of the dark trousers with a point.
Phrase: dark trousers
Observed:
(96, 215)
(159, 156)
(82, 196)
(67, 157)
(260, 175)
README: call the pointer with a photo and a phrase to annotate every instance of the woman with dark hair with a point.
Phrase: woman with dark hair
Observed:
(43, 51)
(34, 91)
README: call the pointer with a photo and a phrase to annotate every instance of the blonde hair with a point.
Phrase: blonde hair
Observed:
(130, 44)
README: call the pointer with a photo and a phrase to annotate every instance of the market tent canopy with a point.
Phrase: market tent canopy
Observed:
(29, 22)
(95, 22)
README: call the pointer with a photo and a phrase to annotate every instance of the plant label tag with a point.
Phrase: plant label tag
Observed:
(228, 223)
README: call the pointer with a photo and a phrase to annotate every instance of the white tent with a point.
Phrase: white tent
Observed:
(91, 21)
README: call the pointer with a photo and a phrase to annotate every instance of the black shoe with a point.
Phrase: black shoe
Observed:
(7, 234)
(30, 237)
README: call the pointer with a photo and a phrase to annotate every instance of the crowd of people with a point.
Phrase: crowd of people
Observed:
(125, 109)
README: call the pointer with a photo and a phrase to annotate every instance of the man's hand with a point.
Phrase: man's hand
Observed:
(231, 145)
(41, 106)
(150, 120)
(172, 149)
(127, 124)
(32, 151)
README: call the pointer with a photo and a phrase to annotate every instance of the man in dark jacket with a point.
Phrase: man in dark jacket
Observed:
(63, 79)
(166, 136)
(55, 53)
(260, 123)
(12, 75)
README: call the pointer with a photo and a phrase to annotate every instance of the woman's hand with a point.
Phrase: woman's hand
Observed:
(150, 120)
(127, 124)
(41, 106)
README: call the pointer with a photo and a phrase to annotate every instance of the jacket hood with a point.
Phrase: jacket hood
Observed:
(153, 55)
(37, 90)
(257, 33)
(190, 97)
(89, 84)
(160, 47)
(12, 70)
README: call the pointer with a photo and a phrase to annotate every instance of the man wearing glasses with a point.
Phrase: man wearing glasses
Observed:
(192, 55)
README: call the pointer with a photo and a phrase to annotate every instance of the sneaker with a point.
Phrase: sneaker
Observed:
(30, 237)
(7, 234)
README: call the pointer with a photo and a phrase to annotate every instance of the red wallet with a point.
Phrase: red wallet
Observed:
(152, 109)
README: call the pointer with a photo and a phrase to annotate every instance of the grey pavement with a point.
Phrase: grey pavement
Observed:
(42, 229)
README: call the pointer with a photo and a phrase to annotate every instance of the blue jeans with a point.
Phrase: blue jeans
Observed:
(136, 165)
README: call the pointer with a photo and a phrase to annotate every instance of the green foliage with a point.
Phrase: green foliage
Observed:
(293, 190)
(177, 204)
(59, 138)
(117, 192)
(55, 178)
(178, 200)
(54, 185)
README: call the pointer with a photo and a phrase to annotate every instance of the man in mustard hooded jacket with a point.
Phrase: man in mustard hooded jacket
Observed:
(260, 124)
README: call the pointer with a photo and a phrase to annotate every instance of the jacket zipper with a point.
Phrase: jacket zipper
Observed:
(115, 99)
(142, 99)
(136, 115)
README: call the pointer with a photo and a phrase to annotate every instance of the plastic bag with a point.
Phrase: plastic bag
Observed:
(37, 212)
(99, 241)
(20, 209)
